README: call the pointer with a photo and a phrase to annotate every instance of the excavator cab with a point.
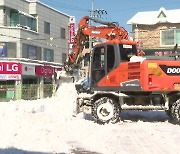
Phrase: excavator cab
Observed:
(106, 58)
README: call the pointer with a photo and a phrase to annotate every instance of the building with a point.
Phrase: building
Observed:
(158, 31)
(33, 43)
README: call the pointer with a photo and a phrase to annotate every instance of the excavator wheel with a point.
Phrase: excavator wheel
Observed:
(175, 111)
(105, 110)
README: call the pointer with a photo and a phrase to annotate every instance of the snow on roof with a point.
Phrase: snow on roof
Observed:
(154, 17)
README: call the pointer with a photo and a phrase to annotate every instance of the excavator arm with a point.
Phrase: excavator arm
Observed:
(107, 30)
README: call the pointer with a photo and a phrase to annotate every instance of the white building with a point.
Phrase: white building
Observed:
(33, 37)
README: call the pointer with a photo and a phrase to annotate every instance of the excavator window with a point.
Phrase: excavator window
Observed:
(98, 61)
(127, 51)
(98, 70)
(86, 59)
(110, 58)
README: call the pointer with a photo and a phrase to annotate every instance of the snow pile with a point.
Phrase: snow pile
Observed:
(49, 126)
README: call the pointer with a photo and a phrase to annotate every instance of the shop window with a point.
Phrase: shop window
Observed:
(7, 90)
(48, 55)
(46, 27)
(48, 87)
(30, 88)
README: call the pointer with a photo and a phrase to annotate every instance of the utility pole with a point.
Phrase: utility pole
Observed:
(90, 40)
(91, 15)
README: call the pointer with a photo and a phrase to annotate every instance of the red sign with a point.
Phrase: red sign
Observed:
(44, 70)
(10, 68)
(71, 33)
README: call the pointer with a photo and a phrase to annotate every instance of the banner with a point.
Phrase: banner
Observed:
(44, 71)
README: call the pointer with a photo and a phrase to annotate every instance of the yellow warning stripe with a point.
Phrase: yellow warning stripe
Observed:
(156, 72)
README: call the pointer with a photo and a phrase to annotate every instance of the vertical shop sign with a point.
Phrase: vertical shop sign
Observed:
(71, 30)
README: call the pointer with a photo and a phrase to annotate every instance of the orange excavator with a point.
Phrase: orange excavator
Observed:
(119, 79)
(108, 30)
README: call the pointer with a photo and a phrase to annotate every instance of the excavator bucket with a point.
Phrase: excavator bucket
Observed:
(61, 77)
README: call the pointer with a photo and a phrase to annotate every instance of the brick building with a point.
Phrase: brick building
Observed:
(158, 31)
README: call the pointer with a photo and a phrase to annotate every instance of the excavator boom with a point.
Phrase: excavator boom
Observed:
(107, 30)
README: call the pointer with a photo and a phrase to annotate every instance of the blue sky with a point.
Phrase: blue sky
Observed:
(117, 10)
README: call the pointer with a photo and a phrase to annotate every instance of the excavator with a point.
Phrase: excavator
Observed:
(120, 79)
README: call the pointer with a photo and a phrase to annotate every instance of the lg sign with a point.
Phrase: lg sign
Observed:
(10, 68)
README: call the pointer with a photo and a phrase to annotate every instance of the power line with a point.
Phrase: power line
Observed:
(65, 6)
(33, 40)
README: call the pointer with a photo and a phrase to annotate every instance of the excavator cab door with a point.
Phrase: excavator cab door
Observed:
(98, 64)
(103, 61)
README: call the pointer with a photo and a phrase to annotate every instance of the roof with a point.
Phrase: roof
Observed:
(154, 17)
(45, 5)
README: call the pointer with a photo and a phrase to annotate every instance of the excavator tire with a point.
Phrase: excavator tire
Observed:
(175, 111)
(105, 110)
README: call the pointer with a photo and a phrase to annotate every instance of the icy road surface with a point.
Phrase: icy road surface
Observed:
(48, 126)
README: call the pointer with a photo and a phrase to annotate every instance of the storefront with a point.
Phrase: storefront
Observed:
(20, 80)
(10, 76)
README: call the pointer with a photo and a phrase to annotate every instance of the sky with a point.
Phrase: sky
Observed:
(117, 10)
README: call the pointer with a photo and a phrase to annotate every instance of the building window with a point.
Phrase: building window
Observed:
(170, 37)
(31, 52)
(23, 20)
(48, 55)
(63, 33)
(8, 49)
(167, 37)
(14, 18)
(32, 23)
(46, 27)
(178, 36)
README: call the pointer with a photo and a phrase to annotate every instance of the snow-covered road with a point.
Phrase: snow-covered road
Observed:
(49, 126)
